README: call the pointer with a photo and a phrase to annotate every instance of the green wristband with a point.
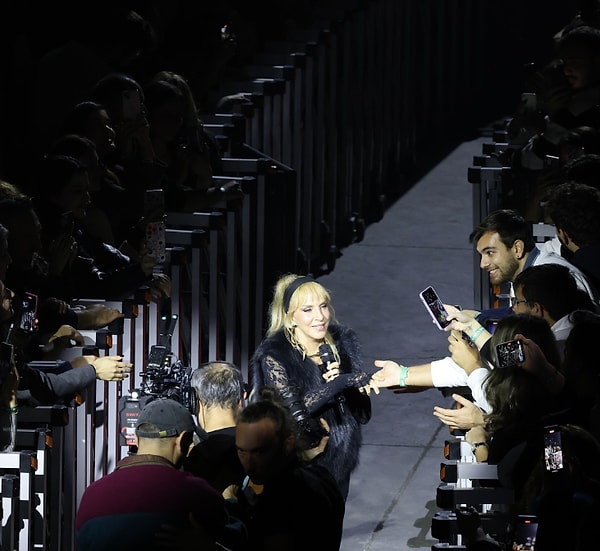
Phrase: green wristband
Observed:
(476, 334)
(403, 375)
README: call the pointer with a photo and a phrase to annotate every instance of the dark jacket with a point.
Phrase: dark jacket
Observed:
(335, 401)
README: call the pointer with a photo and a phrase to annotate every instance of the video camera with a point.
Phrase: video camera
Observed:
(164, 377)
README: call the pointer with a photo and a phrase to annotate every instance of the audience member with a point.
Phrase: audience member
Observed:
(220, 392)
(96, 221)
(158, 492)
(564, 495)
(287, 504)
(66, 75)
(582, 371)
(574, 209)
(505, 243)
(134, 159)
(335, 387)
(17, 210)
(86, 267)
(197, 157)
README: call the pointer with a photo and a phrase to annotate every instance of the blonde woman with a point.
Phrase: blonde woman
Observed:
(316, 365)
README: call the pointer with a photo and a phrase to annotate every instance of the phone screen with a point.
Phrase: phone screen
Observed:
(553, 454)
(28, 318)
(509, 353)
(525, 533)
(435, 307)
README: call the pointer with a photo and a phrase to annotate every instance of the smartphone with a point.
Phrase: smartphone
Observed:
(132, 104)
(529, 102)
(28, 314)
(509, 353)
(435, 307)
(553, 454)
(155, 241)
(525, 533)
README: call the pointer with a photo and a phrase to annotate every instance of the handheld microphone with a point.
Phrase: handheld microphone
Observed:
(327, 357)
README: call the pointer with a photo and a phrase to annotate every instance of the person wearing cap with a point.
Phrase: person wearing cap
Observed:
(316, 365)
(128, 508)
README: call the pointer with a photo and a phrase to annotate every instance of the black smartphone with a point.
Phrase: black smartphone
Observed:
(435, 307)
(553, 454)
(525, 533)
(28, 313)
(509, 353)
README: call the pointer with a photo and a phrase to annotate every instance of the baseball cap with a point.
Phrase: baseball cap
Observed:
(169, 416)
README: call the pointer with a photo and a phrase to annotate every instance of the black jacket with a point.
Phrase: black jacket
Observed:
(322, 399)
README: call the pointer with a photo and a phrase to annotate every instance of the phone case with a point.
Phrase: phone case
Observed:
(156, 241)
(435, 307)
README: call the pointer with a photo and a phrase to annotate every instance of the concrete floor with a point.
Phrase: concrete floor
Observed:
(422, 240)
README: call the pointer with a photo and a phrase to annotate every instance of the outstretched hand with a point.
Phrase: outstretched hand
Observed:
(466, 416)
(388, 375)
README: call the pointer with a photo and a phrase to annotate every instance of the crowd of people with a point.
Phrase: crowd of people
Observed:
(263, 459)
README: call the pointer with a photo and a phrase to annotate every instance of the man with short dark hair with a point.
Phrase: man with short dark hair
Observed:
(125, 509)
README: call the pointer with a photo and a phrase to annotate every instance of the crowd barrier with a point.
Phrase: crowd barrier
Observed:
(341, 117)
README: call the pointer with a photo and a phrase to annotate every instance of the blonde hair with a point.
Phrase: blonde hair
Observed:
(279, 319)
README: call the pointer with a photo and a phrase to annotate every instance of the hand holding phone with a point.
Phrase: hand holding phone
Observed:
(509, 353)
(435, 307)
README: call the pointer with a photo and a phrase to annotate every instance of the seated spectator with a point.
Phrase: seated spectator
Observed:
(194, 152)
(220, 391)
(582, 371)
(566, 501)
(110, 41)
(25, 270)
(574, 209)
(286, 504)
(134, 159)
(158, 492)
(90, 120)
(507, 248)
(89, 267)
(96, 222)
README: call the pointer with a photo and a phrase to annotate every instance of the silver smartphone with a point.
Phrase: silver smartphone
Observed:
(435, 307)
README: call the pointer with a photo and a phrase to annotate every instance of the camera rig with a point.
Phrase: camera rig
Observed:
(164, 377)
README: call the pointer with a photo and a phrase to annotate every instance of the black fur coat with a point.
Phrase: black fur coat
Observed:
(277, 364)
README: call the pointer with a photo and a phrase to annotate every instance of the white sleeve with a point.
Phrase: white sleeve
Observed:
(447, 373)
(476, 382)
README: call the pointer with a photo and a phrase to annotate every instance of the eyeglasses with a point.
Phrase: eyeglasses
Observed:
(519, 301)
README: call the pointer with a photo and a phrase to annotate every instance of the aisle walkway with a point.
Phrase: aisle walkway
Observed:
(422, 240)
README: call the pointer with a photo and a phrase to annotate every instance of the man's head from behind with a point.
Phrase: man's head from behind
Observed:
(265, 438)
(219, 386)
(166, 428)
(503, 239)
